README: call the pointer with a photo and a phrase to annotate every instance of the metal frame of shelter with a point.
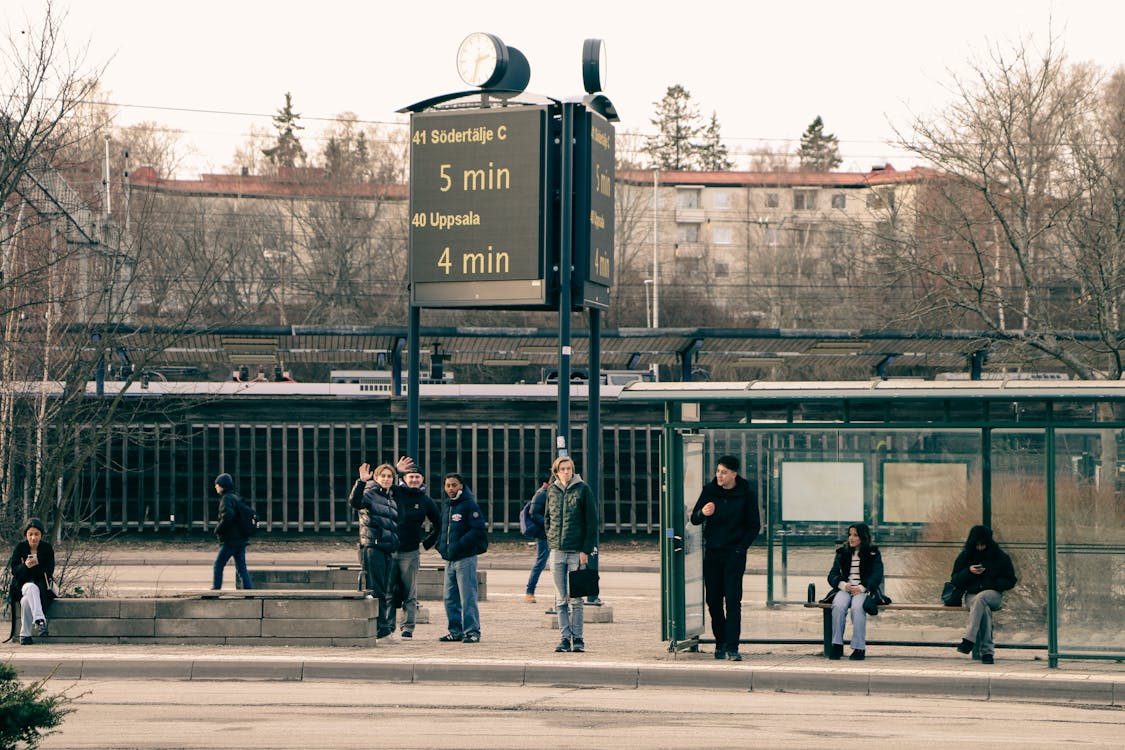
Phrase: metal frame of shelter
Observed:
(1022, 429)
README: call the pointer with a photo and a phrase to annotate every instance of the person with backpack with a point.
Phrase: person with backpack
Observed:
(233, 539)
(461, 536)
(531, 526)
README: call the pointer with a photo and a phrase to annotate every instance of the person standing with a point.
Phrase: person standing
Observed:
(984, 572)
(571, 520)
(232, 540)
(462, 536)
(31, 566)
(727, 508)
(373, 496)
(414, 507)
(542, 549)
(856, 573)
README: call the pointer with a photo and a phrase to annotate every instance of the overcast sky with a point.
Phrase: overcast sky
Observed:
(213, 68)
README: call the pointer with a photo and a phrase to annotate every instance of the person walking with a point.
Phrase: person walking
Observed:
(856, 573)
(415, 507)
(984, 572)
(373, 496)
(232, 540)
(728, 510)
(32, 566)
(571, 520)
(536, 531)
(461, 537)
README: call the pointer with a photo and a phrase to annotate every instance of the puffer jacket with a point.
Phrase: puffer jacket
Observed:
(378, 516)
(571, 517)
(463, 532)
(999, 573)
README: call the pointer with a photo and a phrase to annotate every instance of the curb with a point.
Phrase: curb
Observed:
(1084, 690)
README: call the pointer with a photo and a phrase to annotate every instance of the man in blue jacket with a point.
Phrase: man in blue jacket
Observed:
(461, 537)
(728, 509)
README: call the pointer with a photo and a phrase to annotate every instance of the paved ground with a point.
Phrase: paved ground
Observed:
(518, 642)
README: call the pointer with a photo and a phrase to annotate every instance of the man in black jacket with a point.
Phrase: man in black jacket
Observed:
(728, 509)
(463, 535)
(232, 541)
(414, 508)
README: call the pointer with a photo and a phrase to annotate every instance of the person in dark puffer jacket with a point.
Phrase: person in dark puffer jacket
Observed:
(232, 542)
(984, 572)
(373, 496)
(462, 536)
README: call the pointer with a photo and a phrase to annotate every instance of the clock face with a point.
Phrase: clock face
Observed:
(482, 59)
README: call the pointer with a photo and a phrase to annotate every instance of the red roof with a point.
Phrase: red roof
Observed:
(299, 183)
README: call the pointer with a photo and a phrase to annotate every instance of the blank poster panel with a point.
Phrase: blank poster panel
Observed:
(825, 491)
(916, 492)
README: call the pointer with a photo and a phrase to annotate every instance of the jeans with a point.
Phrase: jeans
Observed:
(840, 606)
(377, 568)
(226, 552)
(542, 552)
(460, 594)
(723, 570)
(406, 582)
(570, 610)
(981, 606)
(31, 608)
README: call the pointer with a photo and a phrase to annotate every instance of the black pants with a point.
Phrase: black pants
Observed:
(377, 567)
(722, 580)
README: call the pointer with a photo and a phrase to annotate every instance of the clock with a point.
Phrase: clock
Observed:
(482, 59)
(593, 65)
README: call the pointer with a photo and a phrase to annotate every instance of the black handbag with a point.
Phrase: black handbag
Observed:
(951, 596)
(872, 601)
(582, 583)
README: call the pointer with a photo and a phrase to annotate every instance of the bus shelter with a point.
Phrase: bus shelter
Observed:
(920, 462)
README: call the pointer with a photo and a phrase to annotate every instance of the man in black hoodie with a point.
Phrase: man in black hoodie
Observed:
(728, 510)
(414, 507)
(232, 541)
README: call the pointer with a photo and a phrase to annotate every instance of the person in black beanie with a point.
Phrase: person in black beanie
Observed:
(984, 572)
(232, 542)
(728, 510)
(415, 507)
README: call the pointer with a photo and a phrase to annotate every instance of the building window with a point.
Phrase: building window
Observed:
(722, 270)
(884, 198)
(687, 198)
(839, 200)
(720, 199)
(771, 236)
(687, 233)
(721, 235)
(772, 200)
(804, 200)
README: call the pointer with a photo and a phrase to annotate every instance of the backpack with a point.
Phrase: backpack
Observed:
(247, 519)
(528, 527)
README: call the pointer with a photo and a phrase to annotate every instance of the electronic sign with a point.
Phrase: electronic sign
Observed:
(593, 208)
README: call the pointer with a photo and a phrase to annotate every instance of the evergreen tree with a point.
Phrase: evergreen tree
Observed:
(287, 152)
(676, 144)
(712, 152)
(820, 151)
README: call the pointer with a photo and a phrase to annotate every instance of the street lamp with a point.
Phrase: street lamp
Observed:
(648, 304)
(655, 257)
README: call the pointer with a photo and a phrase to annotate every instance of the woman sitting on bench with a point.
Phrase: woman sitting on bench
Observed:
(856, 571)
(984, 572)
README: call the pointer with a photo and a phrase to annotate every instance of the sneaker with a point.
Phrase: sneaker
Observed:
(720, 652)
(966, 646)
(987, 659)
(578, 646)
(407, 634)
(594, 602)
(551, 611)
(383, 633)
(471, 638)
(451, 638)
(529, 598)
(734, 656)
(564, 646)
(42, 625)
(26, 640)
(836, 652)
(858, 654)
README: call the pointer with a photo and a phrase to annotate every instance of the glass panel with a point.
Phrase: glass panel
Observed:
(1090, 542)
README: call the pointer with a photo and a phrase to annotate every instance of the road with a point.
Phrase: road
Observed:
(301, 716)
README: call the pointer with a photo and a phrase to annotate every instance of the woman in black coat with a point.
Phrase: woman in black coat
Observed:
(32, 566)
(984, 572)
(857, 572)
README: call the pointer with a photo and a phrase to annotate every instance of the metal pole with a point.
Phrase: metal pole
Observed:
(1052, 558)
(413, 350)
(566, 272)
(655, 256)
(594, 414)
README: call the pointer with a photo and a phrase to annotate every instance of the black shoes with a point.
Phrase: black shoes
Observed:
(578, 646)
(407, 634)
(563, 647)
(966, 646)
(42, 625)
(551, 611)
(858, 654)
(471, 638)
(734, 656)
(383, 632)
(26, 640)
(720, 652)
(836, 652)
(451, 638)
(987, 659)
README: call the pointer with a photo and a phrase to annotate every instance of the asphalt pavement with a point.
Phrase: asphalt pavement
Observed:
(518, 640)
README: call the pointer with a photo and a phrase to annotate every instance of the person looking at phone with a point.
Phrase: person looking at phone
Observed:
(984, 572)
(32, 567)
